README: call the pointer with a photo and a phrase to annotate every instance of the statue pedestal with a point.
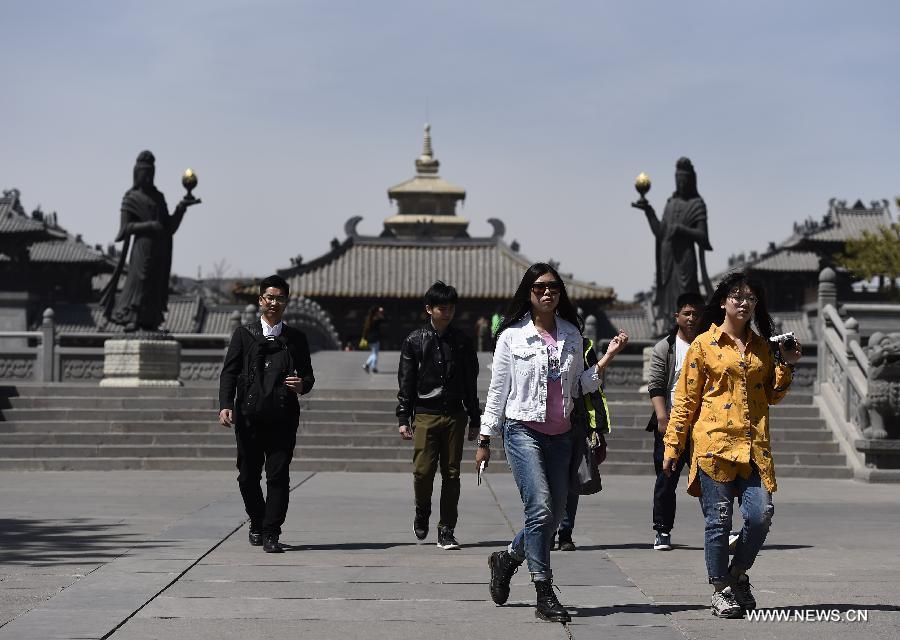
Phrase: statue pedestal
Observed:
(141, 362)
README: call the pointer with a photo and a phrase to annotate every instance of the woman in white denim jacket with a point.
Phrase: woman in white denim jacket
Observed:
(536, 375)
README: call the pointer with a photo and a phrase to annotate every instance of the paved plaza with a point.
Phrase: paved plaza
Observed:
(141, 555)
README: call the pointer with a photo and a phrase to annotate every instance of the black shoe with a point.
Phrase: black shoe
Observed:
(256, 538)
(566, 544)
(271, 545)
(548, 607)
(445, 538)
(503, 566)
(420, 524)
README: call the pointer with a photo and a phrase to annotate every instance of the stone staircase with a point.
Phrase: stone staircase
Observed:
(81, 427)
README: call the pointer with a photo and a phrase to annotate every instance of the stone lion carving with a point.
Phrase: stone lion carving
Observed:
(880, 413)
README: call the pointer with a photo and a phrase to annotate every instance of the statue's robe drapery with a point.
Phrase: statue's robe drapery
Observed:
(145, 293)
(676, 260)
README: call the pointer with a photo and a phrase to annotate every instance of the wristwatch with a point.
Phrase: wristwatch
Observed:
(484, 443)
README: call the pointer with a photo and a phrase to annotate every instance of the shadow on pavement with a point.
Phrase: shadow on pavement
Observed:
(685, 547)
(346, 546)
(60, 542)
(662, 609)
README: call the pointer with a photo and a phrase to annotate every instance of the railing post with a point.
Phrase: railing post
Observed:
(851, 327)
(234, 321)
(48, 344)
(827, 296)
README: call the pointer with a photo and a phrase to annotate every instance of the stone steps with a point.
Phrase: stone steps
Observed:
(383, 438)
(86, 427)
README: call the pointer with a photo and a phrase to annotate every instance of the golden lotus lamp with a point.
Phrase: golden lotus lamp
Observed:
(642, 185)
(189, 181)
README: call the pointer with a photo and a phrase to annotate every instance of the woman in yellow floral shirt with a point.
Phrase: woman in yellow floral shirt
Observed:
(730, 376)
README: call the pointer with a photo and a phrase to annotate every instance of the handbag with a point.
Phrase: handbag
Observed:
(588, 450)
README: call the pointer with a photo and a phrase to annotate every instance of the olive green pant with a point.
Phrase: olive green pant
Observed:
(438, 440)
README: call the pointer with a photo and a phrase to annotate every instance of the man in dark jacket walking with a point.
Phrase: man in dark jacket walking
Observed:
(665, 366)
(437, 397)
(265, 441)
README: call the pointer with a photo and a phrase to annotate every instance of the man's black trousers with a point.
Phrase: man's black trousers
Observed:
(664, 491)
(270, 446)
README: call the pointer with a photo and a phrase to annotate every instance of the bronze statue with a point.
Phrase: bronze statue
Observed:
(147, 226)
(682, 226)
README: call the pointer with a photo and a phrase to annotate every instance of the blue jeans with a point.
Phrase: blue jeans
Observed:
(540, 467)
(717, 502)
(372, 360)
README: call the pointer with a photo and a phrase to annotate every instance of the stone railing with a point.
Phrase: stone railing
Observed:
(39, 356)
(843, 387)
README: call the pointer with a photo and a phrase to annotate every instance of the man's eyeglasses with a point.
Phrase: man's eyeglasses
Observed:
(273, 299)
(738, 298)
(553, 286)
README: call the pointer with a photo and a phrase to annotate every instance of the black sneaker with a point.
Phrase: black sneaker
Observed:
(420, 524)
(565, 543)
(446, 540)
(255, 537)
(271, 544)
(742, 593)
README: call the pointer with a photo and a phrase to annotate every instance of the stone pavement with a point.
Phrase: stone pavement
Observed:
(140, 555)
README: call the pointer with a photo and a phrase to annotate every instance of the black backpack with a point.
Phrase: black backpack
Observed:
(268, 363)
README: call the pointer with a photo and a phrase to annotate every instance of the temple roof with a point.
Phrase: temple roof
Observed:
(388, 267)
(423, 242)
(67, 251)
(842, 223)
(812, 239)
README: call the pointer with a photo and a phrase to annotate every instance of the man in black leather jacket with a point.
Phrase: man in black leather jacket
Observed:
(437, 397)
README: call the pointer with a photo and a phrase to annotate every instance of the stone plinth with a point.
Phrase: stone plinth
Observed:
(141, 362)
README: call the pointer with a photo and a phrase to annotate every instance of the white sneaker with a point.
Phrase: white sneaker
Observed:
(724, 604)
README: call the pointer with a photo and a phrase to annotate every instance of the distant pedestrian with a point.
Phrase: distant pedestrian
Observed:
(665, 365)
(371, 336)
(537, 373)
(437, 397)
(266, 367)
(730, 376)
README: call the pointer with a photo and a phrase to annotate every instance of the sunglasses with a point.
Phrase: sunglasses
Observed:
(554, 287)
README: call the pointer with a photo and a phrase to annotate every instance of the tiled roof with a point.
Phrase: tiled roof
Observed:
(478, 269)
(184, 315)
(427, 184)
(850, 223)
(633, 321)
(88, 318)
(787, 260)
(65, 251)
(11, 222)
(217, 321)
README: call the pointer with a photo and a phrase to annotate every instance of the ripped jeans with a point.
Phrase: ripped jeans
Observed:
(717, 502)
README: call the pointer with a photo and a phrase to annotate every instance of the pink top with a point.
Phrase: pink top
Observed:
(556, 421)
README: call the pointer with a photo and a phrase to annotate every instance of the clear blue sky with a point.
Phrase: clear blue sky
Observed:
(298, 115)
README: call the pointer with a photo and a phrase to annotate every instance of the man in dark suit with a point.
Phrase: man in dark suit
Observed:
(265, 442)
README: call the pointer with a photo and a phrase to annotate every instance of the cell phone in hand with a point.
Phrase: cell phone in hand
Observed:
(481, 468)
